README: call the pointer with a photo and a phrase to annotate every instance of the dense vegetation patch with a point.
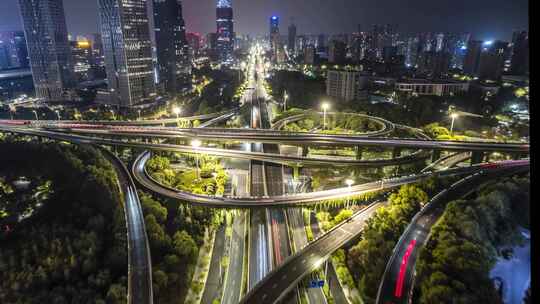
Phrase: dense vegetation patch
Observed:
(74, 248)
(454, 266)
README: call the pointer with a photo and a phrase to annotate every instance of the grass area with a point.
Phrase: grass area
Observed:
(209, 180)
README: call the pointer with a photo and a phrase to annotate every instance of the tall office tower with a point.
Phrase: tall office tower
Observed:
(225, 30)
(128, 51)
(520, 53)
(13, 51)
(274, 37)
(472, 58)
(292, 38)
(491, 63)
(48, 47)
(173, 65)
(82, 59)
(337, 51)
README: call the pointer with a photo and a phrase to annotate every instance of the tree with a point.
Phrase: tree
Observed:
(184, 245)
(117, 294)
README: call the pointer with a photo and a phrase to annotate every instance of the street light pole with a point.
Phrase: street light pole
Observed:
(139, 111)
(349, 183)
(35, 113)
(454, 116)
(285, 97)
(197, 143)
(57, 114)
(324, 107)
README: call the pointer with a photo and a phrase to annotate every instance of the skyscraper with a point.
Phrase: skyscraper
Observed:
(337, 51)
(46, 35)
(171, 44)
(274, 37)
(225, 30)
(292, 38)
(472, 58)
(13, 51)
(128, 51)
(81, 52)
(520, 53)
(491, 63)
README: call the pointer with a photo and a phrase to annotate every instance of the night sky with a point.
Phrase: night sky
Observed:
(485, 19)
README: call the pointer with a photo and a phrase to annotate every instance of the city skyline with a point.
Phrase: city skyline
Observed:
(484, 20)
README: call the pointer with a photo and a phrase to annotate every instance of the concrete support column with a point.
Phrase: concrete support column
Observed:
(305, 151)
(435, 155)
(477, 157)
(359, 152)
(396, 152)
(296, 172)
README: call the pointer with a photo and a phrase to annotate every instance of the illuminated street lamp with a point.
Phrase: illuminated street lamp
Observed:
(325, 107)
(57, 114)
(139, 111)
(453, 116)
(285, 97)
(176, 110)
(113, 117)
(35, 113)
(349, 183)
(196, 144)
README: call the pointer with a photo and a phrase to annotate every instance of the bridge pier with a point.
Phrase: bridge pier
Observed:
(518, 155)
(477, 157)
(305, 151)
(435, 155)
(359, 152)
(296, 172)
(487, 156)
(396, 152)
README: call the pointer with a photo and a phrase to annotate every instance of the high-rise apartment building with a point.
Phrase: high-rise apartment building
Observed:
(225, 30)
(48, 47)
(491, 63)
(434, 64)
(337, 50)
(128, 51)
(520, 53)
(472, 58)
(348, 85)
(173, 67)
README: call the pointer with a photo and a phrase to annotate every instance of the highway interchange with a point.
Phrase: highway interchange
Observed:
(277, 260)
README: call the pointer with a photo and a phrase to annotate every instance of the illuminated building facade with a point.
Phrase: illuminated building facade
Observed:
(48, 47)
(171, 45)
(128, 51)
(225, 30)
